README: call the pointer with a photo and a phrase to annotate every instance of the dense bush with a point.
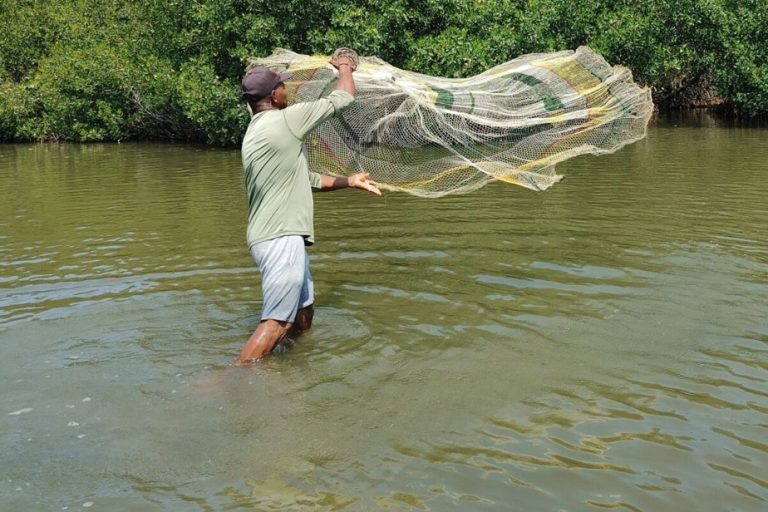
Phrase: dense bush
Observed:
(87, 70)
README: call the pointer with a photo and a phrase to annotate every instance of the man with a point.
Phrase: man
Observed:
(279, 187)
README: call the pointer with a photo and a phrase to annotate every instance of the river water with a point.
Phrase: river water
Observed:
(601, 345)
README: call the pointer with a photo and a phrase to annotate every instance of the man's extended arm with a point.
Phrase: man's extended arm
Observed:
(345, 66)
(346, 82)
(303, 117)
(360, 180)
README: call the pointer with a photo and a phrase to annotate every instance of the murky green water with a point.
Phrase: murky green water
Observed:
(601, 345)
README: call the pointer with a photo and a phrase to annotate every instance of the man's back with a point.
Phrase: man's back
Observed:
(277, 179)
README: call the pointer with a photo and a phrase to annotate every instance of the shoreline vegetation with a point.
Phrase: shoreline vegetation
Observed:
(108, 70)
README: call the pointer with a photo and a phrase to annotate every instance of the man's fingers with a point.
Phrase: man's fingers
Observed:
(373, 188)
(362, 181)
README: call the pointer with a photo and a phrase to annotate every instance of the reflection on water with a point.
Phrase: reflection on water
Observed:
(599, 345)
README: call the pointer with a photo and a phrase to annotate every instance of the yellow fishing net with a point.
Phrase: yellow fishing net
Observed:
(432, 136)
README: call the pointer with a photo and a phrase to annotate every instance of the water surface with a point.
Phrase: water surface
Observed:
(601, 345)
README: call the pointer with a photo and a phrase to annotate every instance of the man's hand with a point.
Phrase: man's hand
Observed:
(345, 60)
(340, 60)
(363, 181)
(346, 56)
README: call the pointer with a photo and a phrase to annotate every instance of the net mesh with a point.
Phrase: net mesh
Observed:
(432, 136)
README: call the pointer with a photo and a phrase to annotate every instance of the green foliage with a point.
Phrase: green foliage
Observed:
(670, 45)
(743, 72)
(77, 95)
(211, 104)
(15, 106)
(112, 70)
(469, 37)
(99, 93)
(25, 40)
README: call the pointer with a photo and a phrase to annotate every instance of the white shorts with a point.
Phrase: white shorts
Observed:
(286, 283)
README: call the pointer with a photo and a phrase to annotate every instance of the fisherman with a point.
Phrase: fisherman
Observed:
(279, 185)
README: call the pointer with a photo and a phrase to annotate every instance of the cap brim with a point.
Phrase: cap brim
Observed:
(285, 76)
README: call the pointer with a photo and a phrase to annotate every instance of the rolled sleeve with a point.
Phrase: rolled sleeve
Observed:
(315, 181)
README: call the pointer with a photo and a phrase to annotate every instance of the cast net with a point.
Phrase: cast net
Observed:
(432, 136)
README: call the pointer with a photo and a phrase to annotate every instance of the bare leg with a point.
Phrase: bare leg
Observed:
(264, 339)
(303, 320)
